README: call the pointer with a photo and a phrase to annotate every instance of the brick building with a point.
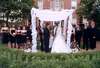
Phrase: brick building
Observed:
(58, 5)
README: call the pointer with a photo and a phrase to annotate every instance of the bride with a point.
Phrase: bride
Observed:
(59, 44)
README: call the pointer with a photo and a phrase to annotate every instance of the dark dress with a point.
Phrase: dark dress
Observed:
(5, 36)
(46, 39)
(0, 37)
(41, 38)
(24, 35)
(18, 37)
(86, 38)
(12, 37)
(29, 36)
(92, 37)
(78, 34)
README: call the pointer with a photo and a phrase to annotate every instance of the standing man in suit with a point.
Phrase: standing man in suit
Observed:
(78, 35)
(86, 36)
(92, 35)
(46, 37)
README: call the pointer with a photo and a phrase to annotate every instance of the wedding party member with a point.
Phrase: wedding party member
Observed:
(55, 28)
(41, 38)
(29, 37)
(92, 35)
(24, 33)
(78, 34)
(5, 34)
(12, 36)
(40, 35)
(18, 38)
(51, 39)
(46, 37)
(0, 34)
(86, 36)
(72, 39)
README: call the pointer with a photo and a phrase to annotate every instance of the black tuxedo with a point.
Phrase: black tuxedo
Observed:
(78, 36)
(46, 39)
(92, 38)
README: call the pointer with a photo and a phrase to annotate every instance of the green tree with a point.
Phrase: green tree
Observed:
(90, 9)
(15, 9)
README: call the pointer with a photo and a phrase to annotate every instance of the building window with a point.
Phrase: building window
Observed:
(73, 7)
(56, 4)
(74, 0)
(74, 4)
(62, 4)
(40, 4)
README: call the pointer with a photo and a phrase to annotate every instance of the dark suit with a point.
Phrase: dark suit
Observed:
(46, 39)
(78, 36)
(92, 38)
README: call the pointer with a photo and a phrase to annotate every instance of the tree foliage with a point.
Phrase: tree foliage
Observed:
(16, 8)
(85, 8)
(90, 9)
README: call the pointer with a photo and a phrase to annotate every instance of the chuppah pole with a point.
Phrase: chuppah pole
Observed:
(34, 32)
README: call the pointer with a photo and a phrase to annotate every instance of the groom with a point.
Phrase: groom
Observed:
(46, 37)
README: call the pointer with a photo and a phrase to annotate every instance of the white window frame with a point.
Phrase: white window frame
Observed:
(40, 4)
(74, 4)
(55, 5)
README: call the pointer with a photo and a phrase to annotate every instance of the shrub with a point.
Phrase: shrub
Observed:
(12, 58)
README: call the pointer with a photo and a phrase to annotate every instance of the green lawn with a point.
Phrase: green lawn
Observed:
(13, 58)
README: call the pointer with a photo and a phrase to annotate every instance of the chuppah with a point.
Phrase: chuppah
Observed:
(54, 16)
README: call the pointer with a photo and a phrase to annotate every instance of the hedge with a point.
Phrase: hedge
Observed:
(12, 58)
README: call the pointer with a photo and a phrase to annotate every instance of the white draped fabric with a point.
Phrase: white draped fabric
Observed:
(59, 44)
(69, 32)
(49, 15)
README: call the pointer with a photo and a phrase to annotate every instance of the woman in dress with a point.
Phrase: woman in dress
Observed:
(29, 37)
(59, 44)
(5, 34)
(24, 39)
(18, 38)
(40, 36)
(12, 37)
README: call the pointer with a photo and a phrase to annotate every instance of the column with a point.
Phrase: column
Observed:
(34, 32)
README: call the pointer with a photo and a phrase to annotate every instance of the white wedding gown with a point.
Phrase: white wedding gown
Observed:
(59, 45)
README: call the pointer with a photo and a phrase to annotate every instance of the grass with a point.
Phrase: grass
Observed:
(12, 58)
